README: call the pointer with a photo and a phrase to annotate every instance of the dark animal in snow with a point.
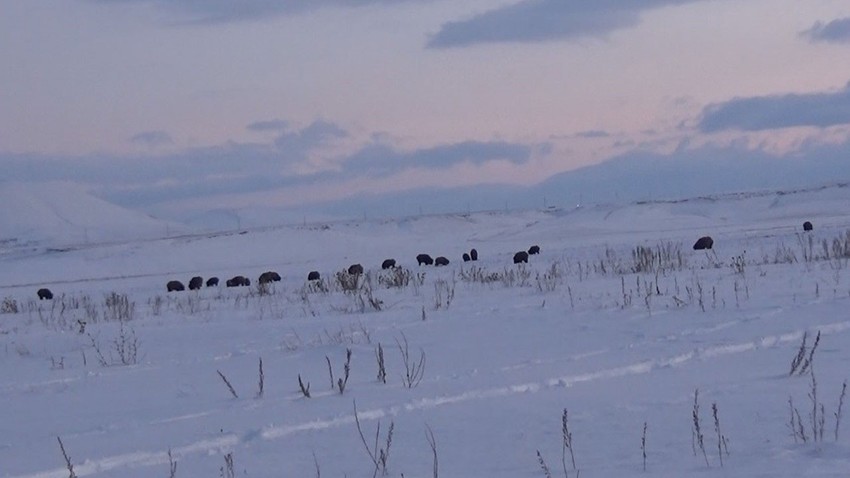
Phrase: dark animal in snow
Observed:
(196, 283)
(212, 282)
(269, 276)
(534, 250)
(466, 257)
(44, 294)
(807, 226)
(174, 286)
(313, 275)
(473, 254)
(424, 259)
(521, 256)
(705, 242)
(238, 281)
(441, 261)
(388, 264)
(355, 269)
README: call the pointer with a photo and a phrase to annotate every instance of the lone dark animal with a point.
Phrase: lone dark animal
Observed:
(313, 275)
(466, 257)
(212, 282)
(44, 294)
(174, 286)
(441, 261)
(473, 254)
(269, 276)
(807, 226)
(388, 264)
(534, 250)
(521, 256)
(196, 283)
(424, 259)
(705, 242)
(355, 269)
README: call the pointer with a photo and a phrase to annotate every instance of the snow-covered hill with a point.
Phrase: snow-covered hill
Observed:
(60, 213)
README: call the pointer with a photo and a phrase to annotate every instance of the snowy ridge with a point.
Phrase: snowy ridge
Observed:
(63, 213)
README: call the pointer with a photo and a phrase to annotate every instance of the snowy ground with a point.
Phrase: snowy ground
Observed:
(508, 349)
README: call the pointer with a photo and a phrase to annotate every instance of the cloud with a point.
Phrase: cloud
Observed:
(209, 174)
(778, 111)
(836, 31)
(225, 11)
(298, 144)
(546, 20)
(275, 125)
(594, 133)
(381, 160)
(152, 139)
(637, 175)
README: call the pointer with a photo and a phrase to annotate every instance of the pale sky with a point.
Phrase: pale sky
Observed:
(289, 101)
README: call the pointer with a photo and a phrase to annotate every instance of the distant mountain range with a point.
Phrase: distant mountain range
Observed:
(65, 213)
(624, 179)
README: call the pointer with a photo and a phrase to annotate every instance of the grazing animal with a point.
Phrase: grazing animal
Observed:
(44, 294)
(441, 261)
(534, 250)
(313, 275)
(196, 283)
(269, 276)
(174, 286)
(807, 226)
(388, 264)
(521, 256)
(238, 281)
(473, 254)
(424, 259)
(355, 269)
(212, 282)
(466, 257)
(705, 242)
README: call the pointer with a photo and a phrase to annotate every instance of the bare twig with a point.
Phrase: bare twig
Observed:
(697, 431)
(172, 465)
(262, 380)
(840, 406)
(413, 370)
(304, 390)
(227, 382)
(382, 370)
(432, 442)
(68, 464)
(542, 462)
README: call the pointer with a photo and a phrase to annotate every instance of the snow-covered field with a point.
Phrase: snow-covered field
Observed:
(123, 372)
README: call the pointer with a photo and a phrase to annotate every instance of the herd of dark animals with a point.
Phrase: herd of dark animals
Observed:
(195, 283)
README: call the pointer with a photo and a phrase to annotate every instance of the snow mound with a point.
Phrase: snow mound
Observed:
(59, 213)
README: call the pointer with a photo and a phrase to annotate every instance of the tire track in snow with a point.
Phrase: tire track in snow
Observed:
(228, 441)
